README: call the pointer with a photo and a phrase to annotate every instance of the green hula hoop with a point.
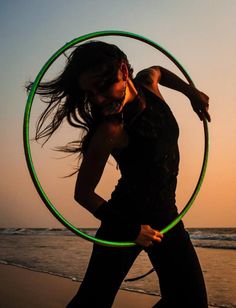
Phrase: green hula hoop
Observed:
(27, 149)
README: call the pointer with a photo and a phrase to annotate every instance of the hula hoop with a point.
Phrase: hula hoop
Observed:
(27, 149)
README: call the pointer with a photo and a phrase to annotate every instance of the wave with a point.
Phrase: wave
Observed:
(215, 246)
(43, 231)
(221, 238)
(224, 234)
(227, 237)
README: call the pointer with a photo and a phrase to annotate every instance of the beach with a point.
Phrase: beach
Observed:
(21, 287)
(44, 268)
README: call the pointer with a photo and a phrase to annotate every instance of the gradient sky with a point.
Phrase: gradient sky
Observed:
(199, 33)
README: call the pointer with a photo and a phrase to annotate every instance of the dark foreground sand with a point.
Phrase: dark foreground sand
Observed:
(21, 287)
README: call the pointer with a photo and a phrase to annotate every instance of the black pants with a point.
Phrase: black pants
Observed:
(174, 259)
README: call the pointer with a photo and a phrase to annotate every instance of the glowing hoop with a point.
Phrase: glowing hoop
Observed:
(27, 149)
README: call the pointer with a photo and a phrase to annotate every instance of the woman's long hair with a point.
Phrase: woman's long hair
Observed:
(64, 98)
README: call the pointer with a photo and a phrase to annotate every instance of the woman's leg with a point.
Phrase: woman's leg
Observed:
(107, 268)
(179, 272)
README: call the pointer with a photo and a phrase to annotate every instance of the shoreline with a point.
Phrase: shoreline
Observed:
(23, 287)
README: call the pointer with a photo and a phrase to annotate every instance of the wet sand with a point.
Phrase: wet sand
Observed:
(21, 287)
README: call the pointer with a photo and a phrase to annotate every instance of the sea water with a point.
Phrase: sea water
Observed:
(60, 252)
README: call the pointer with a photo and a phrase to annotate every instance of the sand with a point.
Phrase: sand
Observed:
(21, 287)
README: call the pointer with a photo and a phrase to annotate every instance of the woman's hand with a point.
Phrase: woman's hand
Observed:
(200, 103)
(147, 236)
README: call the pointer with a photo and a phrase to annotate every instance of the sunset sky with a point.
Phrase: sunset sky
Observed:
(199, 33)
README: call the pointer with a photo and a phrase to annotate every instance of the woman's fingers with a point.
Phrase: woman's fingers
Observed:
(157, 236)
(207, 115)
(148, 236)
(203, 112)
(200, 104)
(151, 239)
(154, 234)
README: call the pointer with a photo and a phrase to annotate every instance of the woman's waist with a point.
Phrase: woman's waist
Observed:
(157, 218)
(143, 190)
(144, 209)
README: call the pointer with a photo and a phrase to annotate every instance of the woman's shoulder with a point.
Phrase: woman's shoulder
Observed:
(148, 76)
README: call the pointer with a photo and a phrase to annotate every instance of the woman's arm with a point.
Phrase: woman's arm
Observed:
(168, 79)
(101, 145)
(198, 99)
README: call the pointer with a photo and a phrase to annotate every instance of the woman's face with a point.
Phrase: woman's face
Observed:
(102, 88)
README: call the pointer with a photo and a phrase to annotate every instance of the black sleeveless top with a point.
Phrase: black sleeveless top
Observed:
(145, 193)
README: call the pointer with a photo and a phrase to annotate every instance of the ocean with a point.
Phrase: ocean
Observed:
(58, 251)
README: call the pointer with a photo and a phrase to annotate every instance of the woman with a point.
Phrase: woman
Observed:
(128, 118)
